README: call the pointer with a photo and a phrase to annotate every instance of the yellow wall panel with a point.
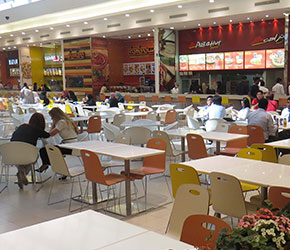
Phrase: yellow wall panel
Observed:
(37, 64)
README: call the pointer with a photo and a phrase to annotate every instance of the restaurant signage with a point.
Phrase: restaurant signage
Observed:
(141, 51)
(211, 44)
(278, 38)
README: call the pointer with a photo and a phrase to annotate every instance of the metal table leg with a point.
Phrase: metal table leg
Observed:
(218, 147)
(128, 188)
(183, 149)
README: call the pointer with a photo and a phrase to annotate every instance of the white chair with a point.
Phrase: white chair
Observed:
(121, 106)
(147, 123)
(192, 122)
(152, 115)
(110, 131)
(32, 110)
(15, 154)
(80, 110)
(216, 125)
(118, 120)
(84, 136)
(139, 135)
(170, 126)
(190, 111)
(59, 166)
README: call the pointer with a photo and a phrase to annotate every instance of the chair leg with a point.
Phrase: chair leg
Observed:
(4, 168)
(108, 195)
(71, 194)
(50, 191)
(145, 192)
(85, 194)
(168, 186)
(136, 195)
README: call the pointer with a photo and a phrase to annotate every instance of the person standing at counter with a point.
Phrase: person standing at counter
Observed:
(27, 95)
(255, 101)
(175, 89)
(243, 87)
(255, 87)
(263, 88)
(103, 89)
(216, 110)
(278, 88)
(113, 101)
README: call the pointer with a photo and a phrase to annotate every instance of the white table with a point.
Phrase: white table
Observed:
(134, 114)
(116, 150)
(86, 231)
(280, 144)
(132, 104)
(139, 123)
(260, 173)
(162, 105)
(214, 136)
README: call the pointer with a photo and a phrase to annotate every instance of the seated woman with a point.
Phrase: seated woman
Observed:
(29, 133)
(113, 101)
(89, 100)
(120, 98)
(66, 128)
(242, 115)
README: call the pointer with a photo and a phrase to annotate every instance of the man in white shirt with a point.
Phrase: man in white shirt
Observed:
(263, 119)
(286, 111)
(216, 110)
(27, 95)
(175, 89)
(278, 88)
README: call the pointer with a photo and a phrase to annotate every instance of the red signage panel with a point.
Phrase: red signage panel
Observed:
(255, 59)
(183, 63)
(215, 61)
(234, 60)
(196, 62)
(275, 58)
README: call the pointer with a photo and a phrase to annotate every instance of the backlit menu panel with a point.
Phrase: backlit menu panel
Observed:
(275, 58)
(255, 59)
(234, 60)
(196, 62)
(214, 61)
(183, 63)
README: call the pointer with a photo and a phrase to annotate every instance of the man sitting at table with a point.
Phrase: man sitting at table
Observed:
(263, 119)
(216, 110)
(255, 101)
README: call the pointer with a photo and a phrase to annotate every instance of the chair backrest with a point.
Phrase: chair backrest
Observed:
(19, 111)
(226, 195)
(80, 110)
(139, 135)
(181, 99)
(190, 199)
(32, 110)
(167, 99)
(195, 232)
(121, 106)
(56, 159)
(251, 153)
(84, 136)
(119, 119)
(170, 116)
(182, 174)
(216, 125)
(190, 111)
(18, 153)
(163, 135)
(156, 161)
(196, 146)
(242, 143)
(152, 115)
(95, 124)
(192, 122)
(93, 167)
(127, 98)
(141, 98)
(284, 159)
(155, 98)
(279, 196)
(256, 135)
(123, 138)
(268, 152)
(282, 102)
(110, 131)
(102, 97)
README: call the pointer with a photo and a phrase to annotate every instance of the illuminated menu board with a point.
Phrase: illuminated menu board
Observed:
(196, 62)
(255, 59)
(214, 61)
(275, 58)
(183, 63)
(234, 60)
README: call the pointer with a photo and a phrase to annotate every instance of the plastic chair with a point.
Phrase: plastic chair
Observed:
(110, 131)
(155, 98)
(181, 99)
(227, 196)
(196, 146)
(284, 159)
(233, 147)
(182, 174)
(167, 99)
(268, 152)
(279, 196)
(139, 135)
(84, 136)
(59, 167)
(170, 116)
(216, 125)
(94, 173)
(17, 153)
(190, 199)
(94, 124)
(152, 115)
(32, 110)
(282, 102)
(192, 123)
(127, 98)
(256, 135)
(141, 98)
(118, 120)
(195, 233)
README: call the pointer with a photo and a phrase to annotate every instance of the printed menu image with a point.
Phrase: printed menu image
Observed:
(126, 69)
(183, 63)
(214, 61)
(234, 60)
(196, 62)
(255, 59)
(275, 58)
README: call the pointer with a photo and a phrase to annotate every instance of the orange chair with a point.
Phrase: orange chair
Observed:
(195, 233)
(144, 110)
(196, 146)
(282, 102)
(167, 99)
(94, 172)
(278, 198)
(127, 98)
(170, 116)
(102, 97)
(234, 147)
(256, 135)
(94, 124)
(155, 98)
(181, 99)
(142, 98)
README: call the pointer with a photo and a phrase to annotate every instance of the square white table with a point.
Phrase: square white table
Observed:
(280, 144)
(135, 114)
(116, 150)
(214, 136)
(260, 173)
(81, 231)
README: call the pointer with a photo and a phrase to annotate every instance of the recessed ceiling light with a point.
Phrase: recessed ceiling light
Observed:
(0, 37)
(36, 30)
(51, 28)
(179, 6)
(172, 28)
(153, 30)
(214, 22)
(231, 20)
(34, 44)
(211, 1)
(148, 34)
(248, 18)
(9, 47)
(152, 11)
(262, 19)
(198, 24)
(267, 15)
(67, 25)
(14, 47)
(127, 15)
(23, 33)
(86, 22)
(11, 35)
(4, 49)
(184, 26)
(129, 37)
(105, 18)
(139, 35)
(104, 36)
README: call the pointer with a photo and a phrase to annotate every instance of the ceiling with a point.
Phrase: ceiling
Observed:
(47, 20)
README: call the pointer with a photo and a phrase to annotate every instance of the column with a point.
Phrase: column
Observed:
(286, 46)
(156, 60)
(63, 66)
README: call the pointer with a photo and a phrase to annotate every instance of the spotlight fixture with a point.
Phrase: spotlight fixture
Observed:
(214, 22)
(68, 25)
(267, 15)
(231, 20)
(198, 25)
(86, 22)
(105, 19)
(127, 15)
(211, 1)
(51, 28)
(129, 37)
(23, 33)
(179, 6)
(172, 28)
(152, 11)
(148, 34)
(36, 31)
(11, 35)
(248, 18)
(104, 36)
(139, 36)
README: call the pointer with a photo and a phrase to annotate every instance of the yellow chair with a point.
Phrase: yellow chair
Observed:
(130, 107)
(182, 174)
(225, 100)
(68, 109)
(268, 152)
(195, 99)
(253, 154)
